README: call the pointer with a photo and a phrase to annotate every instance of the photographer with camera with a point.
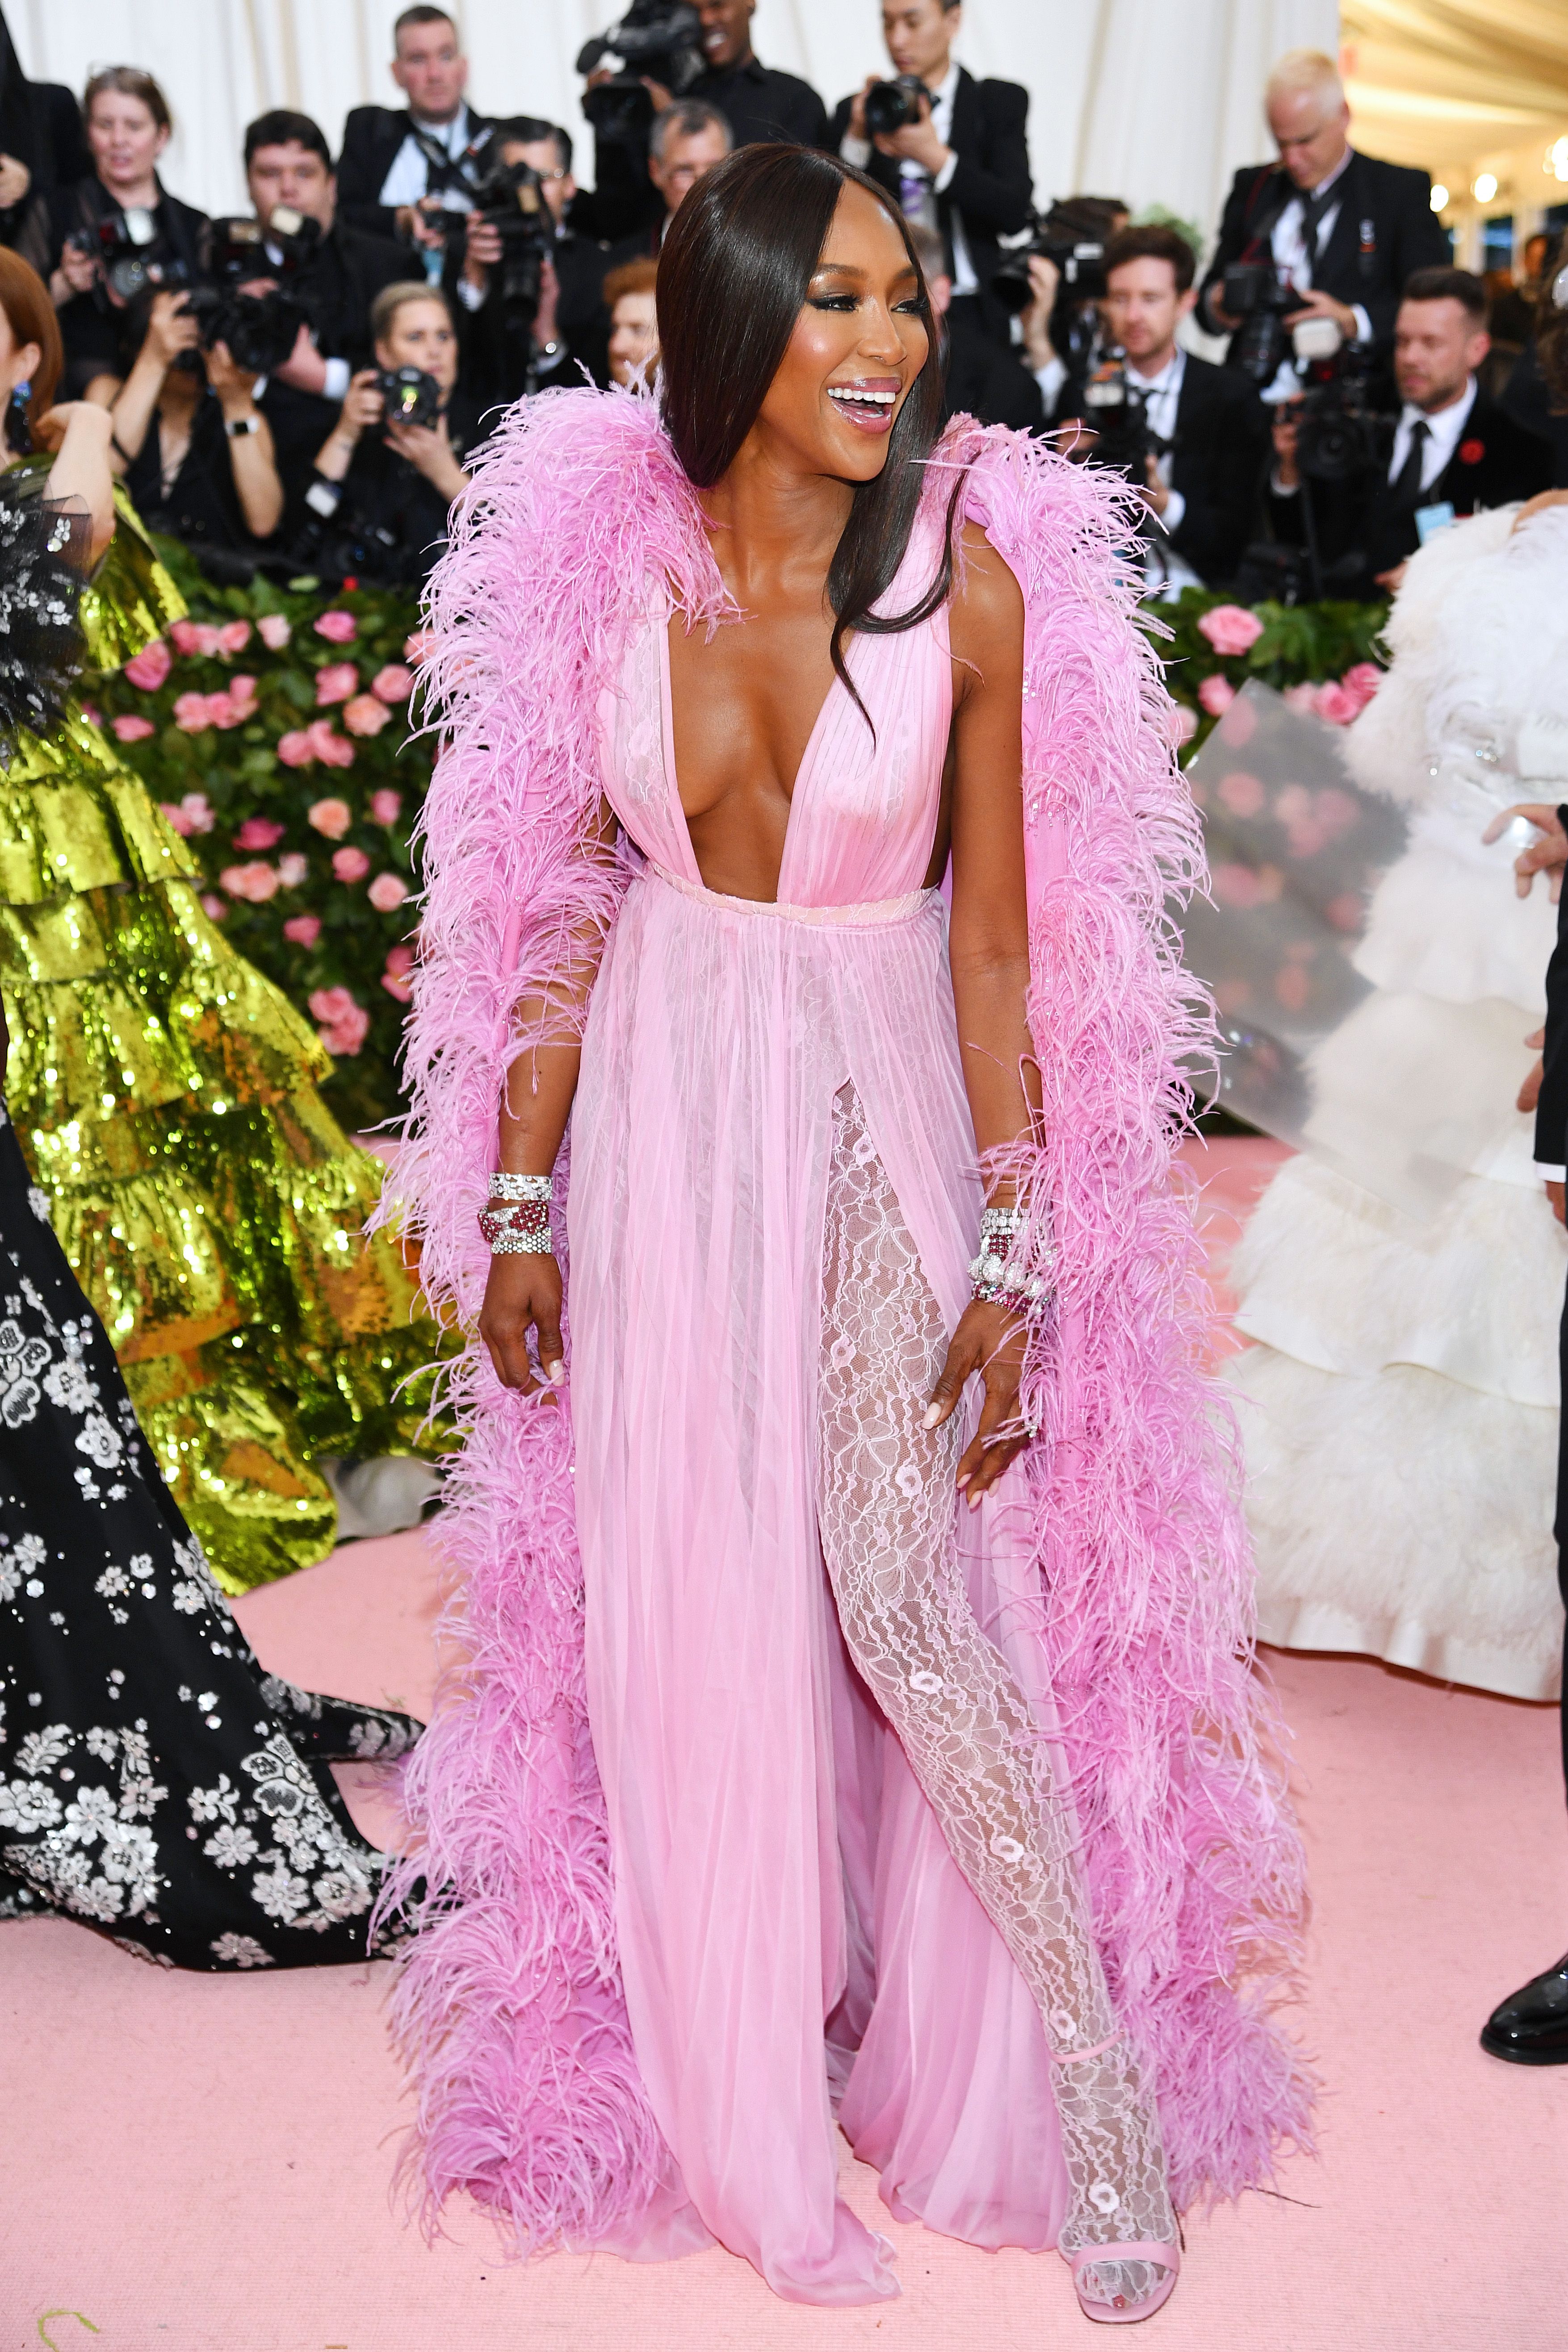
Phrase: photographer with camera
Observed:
(527, 283)
(1056, 285)
(101, 242)
(952, 151)
(191, 446)
(687, 139)
(1190, 435)
(1452, 451)
(333, 270)
(388, 472)
(978, 379)
(1323, 233)
(401, 168)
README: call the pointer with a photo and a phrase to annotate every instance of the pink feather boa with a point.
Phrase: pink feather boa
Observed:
(509, 2006)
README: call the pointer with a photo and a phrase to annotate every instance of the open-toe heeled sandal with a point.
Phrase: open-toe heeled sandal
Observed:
(1120, 2313)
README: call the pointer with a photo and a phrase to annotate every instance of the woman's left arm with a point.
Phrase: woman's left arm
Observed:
(990, 947)
(78, 431)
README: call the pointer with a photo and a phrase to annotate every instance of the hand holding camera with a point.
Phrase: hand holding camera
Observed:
(172, 331)
(897, 118)
(1034, 319)
(76, 272)
(15, 182)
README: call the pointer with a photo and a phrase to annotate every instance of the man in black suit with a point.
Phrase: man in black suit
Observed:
(1204, 467)
(1530, 2027)
(1344, 231)
(1453, 452)
(497, 363)
(979, 380)
(758, 102)
(396, 161)
(962, 167)
(288, 163)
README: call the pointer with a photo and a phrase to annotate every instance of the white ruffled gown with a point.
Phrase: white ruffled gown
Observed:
(1400, 1403)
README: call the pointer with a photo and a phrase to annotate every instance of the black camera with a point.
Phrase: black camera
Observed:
(1340, 434)
(1118, 410)
(1077, 248)
(659, 39)
(1261, 296)
(409, 397)
(128, 251)
(511, 199)
(890, 106)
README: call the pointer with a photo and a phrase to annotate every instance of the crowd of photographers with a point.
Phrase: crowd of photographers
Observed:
(300, 386)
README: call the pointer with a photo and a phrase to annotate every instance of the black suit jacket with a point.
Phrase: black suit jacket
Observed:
(1217, 464)
(993, 385)
(348, 272)
(1385, 229)
(991, 188)
(1495, 461)
(372, 137)
(1552, 1104)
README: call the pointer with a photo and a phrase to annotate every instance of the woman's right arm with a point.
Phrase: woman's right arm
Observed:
(170, 329)
(524, 1291)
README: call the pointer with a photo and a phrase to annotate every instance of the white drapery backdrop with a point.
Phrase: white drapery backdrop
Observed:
(1155, 101)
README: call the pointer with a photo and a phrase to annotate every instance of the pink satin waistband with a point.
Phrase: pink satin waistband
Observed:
(871, 914)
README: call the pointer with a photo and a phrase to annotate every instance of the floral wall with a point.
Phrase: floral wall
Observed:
(276, 730)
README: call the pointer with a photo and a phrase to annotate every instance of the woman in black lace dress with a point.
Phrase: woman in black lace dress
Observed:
(154, 1783)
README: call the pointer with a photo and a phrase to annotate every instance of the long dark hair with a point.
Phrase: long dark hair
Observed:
(1551, 331)
(735, 271)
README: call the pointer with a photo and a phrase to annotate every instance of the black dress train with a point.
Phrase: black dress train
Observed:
(154, 1781)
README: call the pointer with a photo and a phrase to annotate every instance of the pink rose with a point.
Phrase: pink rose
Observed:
(187, 637)
(223, 711)
(1236, 886)
(242, 693)
(199, 813)
(385, 892)
(292, 869)
(386, 807)
(1299, 698)
(332, 751)
(295, 748)
(1216, 694)
(276, 630)
(1363, 679)
(176, 817)
(92, 714)
(393, 684)
(1332, 702)
(234, 636)
(332, 817)
(344, 1022)
(258, 833)
(190, 713)
(258, 882)
(150, 667)
(1242, 794)
(303, 930)
(336, 681)
(1230, 628)
(365, 715)
(399, 959)
(127, 729)
(213, 905)
(350, 865)
(338, 628)
(416, 648)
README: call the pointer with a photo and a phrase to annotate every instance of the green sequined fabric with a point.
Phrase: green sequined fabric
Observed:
(164, 1093)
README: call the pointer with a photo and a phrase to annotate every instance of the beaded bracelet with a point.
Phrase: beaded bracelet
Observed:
(520, 1232)
(992, 1274)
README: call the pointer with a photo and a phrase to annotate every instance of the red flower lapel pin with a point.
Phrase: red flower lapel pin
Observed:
(1471, 452)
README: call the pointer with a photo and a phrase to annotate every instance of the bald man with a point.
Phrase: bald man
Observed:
(1344, 230)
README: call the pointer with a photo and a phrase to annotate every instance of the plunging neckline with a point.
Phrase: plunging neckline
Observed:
(671, 780)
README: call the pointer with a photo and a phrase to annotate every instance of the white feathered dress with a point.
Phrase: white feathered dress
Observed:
(1401, 1421)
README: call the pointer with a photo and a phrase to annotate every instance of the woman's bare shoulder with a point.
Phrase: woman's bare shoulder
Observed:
(988, 604)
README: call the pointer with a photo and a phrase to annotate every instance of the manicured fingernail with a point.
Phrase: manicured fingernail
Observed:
(965, 1480)
(933, 1415)
(974, 1501)
(558, 1374)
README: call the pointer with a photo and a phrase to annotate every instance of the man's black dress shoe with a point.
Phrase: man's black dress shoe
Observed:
(1530, 2027)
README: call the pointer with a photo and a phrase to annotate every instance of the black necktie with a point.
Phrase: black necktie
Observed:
(1313, 206)
(1406, 483)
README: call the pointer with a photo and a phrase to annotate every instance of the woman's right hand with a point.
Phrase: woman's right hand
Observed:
(170, 329)
(523, 1295)
(75, 273)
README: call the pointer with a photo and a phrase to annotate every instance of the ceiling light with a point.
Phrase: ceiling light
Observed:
(1440, 197)
(1484, 188)
(1557, 160)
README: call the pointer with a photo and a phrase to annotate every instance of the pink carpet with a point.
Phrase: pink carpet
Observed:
(202, 2164)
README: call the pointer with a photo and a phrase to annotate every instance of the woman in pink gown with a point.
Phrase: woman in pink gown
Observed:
(856, 1718)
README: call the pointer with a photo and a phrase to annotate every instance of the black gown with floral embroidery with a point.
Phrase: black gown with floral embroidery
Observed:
(154, 1783)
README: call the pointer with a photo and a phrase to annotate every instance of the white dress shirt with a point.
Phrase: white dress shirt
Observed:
(1287, 243)
(917, 190)
(1162, 396)
(408, 178)
(1443, 430)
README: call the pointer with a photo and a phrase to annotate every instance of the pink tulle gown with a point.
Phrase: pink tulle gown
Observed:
(844, 1877)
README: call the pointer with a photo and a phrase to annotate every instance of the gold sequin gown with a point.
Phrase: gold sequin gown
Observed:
(165, 1097)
